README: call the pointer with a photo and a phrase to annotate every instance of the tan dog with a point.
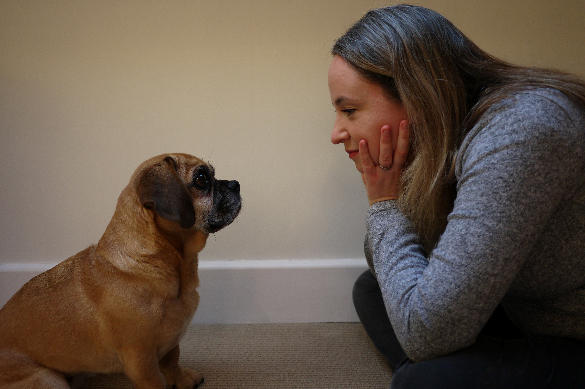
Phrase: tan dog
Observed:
(123, 304)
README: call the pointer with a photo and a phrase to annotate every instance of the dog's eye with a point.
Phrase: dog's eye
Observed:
(201, 180)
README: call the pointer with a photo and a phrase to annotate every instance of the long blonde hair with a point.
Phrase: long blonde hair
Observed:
(445, 83)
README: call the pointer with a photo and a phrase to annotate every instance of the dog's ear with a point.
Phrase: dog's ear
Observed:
(161, 190)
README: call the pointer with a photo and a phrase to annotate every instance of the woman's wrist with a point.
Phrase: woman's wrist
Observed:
(385, 198)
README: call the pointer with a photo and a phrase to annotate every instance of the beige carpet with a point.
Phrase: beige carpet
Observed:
(315, 355)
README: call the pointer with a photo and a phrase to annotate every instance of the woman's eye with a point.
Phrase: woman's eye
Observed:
(201, 181)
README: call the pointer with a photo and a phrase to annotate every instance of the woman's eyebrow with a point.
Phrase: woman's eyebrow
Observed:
(343, 100)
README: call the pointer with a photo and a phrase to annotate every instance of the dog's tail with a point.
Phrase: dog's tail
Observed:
(17, 371)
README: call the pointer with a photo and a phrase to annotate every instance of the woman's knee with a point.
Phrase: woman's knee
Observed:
(364, 286)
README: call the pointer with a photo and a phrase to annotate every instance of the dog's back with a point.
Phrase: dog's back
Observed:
(38, 319)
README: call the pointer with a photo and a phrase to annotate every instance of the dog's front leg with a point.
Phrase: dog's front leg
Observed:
(141, 366)
(181, 378)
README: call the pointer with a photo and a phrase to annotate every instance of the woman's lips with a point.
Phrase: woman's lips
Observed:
(352, 153)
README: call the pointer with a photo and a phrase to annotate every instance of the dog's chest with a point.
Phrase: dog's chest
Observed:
(175, 318)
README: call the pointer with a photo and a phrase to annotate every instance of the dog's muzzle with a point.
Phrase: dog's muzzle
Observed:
(226, 205)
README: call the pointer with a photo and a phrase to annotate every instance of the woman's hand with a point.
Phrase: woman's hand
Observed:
(382, 180)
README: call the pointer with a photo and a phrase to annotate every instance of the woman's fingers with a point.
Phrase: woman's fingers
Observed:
(402, 146)
(364, 155)
(386, 149)
(382, 179)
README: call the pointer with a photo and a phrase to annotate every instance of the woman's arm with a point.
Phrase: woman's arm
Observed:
(514, 169)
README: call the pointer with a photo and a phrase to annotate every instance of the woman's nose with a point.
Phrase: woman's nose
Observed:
(339, 134)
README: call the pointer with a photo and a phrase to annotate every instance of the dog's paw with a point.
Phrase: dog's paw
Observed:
(188, 379)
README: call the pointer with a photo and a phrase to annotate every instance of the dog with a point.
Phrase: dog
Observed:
(122, 305)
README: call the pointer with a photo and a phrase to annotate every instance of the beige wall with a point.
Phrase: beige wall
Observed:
(89, 89)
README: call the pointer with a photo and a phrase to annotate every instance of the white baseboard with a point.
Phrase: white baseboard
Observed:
(252, 291)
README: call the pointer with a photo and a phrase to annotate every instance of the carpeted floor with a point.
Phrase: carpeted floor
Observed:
(314, 355)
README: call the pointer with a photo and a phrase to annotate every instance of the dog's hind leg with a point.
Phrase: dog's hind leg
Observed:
(19, 372)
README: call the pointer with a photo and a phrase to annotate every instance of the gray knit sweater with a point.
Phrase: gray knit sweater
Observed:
(515, 236)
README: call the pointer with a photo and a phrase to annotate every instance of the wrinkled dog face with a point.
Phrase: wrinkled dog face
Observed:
(183, 189)
(221, 198)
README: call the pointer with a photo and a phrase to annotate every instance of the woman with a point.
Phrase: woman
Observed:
(475, 172)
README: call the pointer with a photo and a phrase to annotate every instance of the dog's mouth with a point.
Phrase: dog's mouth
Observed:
(227, 204)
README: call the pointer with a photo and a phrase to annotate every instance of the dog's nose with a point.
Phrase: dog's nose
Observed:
(233, 186)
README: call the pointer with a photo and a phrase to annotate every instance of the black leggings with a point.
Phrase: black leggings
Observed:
(502, 357)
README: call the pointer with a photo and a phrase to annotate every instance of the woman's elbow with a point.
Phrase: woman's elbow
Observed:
(423, 342)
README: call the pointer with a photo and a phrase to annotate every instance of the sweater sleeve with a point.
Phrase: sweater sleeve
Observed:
(514, 168)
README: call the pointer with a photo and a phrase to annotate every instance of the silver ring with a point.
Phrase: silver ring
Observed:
(384, 167)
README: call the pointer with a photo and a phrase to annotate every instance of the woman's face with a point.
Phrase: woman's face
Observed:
(362, 107)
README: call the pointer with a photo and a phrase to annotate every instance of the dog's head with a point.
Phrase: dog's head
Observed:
(183, 189)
